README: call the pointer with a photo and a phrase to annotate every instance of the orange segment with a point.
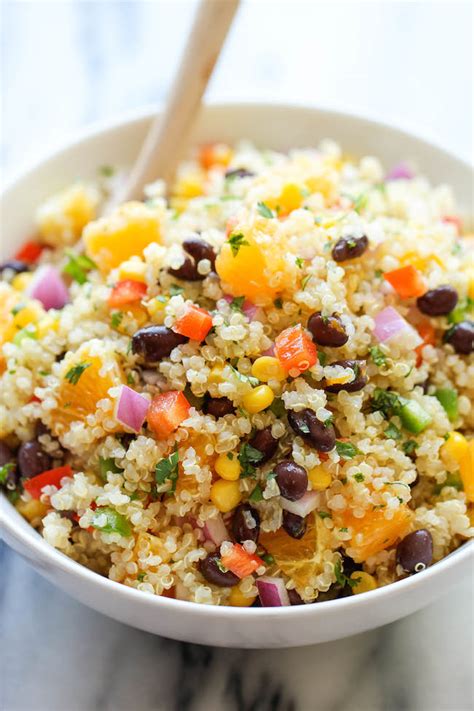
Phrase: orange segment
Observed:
(301, 560)
(123, 234)
(378, 532)
(83, 382)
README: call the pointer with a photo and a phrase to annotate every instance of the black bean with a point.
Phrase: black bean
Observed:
(415, 551)
(265, 443)
(154, 343)
(10, 473)
(295, 598)
(218, 407)
(349, 565)
(439, 301)
(335, 592)
(360, 380)
(327, 330)
(294, 525)
(198, 249)
(314, 432)
(209, 568)
(349, 248)
(461, 337)
(14, 266)
(32, 459)
(292, 479)
(245, 524)
(239, 173)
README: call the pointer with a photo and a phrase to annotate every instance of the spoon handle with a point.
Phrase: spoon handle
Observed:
(167, 135)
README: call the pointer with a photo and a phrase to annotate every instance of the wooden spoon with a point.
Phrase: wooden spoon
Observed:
(167, 135)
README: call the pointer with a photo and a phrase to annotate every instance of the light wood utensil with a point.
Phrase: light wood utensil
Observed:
(166, 139)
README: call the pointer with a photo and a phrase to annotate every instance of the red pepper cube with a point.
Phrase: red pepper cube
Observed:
(29, 252)
(407, 281)
(126, 292)
(295, 350)
(52, 477)
(167, 411)
(195, 323)
(240, 562)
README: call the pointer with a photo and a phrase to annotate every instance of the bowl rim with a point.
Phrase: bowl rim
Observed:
(45, 553)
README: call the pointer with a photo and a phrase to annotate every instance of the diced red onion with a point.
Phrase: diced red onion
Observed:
(272, 592)
(215, 530)
(401, 171)
(131, 408)
(48, 287)
(389, 324)
(303, 506)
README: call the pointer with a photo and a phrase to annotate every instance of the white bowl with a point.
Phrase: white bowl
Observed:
(279, 127)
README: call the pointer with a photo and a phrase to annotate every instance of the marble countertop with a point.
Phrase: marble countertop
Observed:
(66, 64)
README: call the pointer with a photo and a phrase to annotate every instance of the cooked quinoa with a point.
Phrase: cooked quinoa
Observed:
(255, 391)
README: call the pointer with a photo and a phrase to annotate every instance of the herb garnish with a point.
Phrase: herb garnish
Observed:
(341, 578)
(236, 241)
(256, 494)
(167, 469)
(378, 356)
(387, 402)
(299, 262)
(175, 290)
(264, 210)
(324, 514)
(322, 358)
(237, 303)
(78, 266)
(358, 476)
(346, 450)
(248, 458)
(245, 378)
(116, 319)
(409, 446)
(74, 373)
(5, 471)
(304, 281)
(108, 465)
(278, 303)
(392, 432)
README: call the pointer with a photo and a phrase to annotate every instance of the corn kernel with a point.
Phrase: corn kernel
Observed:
(22, 281)
(290, 198)
(268, 368)
(188, 186)
(228, 466)
(225, 495)
(156, 308)
(363, 582)
(238, 599)
(31, 510)
(134, 269)
(455, 448)
(466, 469)
(259, 399)
(47, 323)
(320, 478)
(30, 313)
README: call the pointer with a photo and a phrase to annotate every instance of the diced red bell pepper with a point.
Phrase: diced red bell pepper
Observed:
(407, 281)
(30, 252)
(214, 154)
(240, 562)
(34, 398)
(195, 323)
(295, 350)
(52, 477)
(126, 292)
(427, 333)
(166, 412)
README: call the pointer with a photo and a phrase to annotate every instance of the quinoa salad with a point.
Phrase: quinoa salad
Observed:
(254, 389)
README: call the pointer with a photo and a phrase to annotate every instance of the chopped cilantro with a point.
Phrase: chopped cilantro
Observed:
(236, 241)
(409, 446)
(130, 378)
(5, 471)
(392, 432)
(248, 458)
(277, 407)
(278, 303)
(78, 266)
(358, 476)
(324, 514)
(141, 577)
(268, 558)
(462, 309)
(341, 578)
(386, 401)
(106, 170)
(237, 303)
(322, 357)
(245, 378)
(74, 373)
(264, 210)
(346, 450)
(360, 203)
(378, 273)
(175, 290)
(108, 465)
(378, 356)
(299, 262)
(116, 319)
(304, 281)
(256, 494)
(344, 529)
(167, 469)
